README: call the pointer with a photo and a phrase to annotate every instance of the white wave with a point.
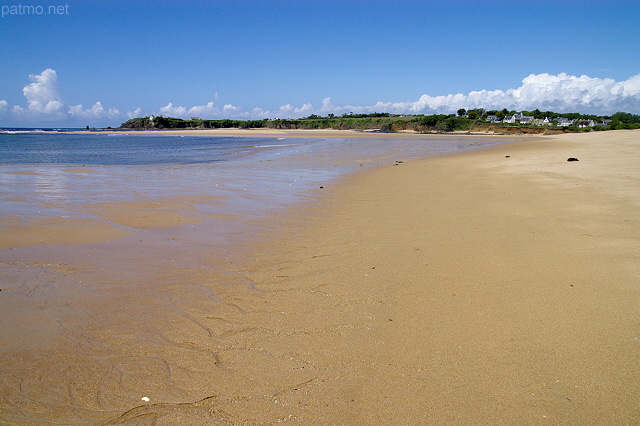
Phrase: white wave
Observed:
(271, 146)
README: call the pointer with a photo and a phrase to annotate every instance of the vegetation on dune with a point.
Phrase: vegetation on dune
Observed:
(464, 120)
(624, 120)
(160, 122)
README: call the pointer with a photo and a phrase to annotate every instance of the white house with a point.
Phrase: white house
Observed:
(586, 123)
(541, 121)
(565, 121)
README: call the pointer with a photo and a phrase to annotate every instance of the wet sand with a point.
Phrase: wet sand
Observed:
(472, 288)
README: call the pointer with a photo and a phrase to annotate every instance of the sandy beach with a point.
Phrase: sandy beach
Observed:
(490, 287)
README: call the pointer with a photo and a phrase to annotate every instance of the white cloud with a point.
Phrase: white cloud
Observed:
(203, 111)
(97, 111)
(170, 110)
(560, 93)
(43, 98)
(630, 87)
(135, 113)
(45, 104)
(229, 111)
(43, 94)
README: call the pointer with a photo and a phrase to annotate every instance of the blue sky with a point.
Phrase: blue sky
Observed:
(99, 63)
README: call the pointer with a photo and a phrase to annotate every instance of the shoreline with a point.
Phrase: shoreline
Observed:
(300, 133)
(464, 288)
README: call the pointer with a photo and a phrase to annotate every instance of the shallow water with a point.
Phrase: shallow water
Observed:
(117, 181)
(117, 275)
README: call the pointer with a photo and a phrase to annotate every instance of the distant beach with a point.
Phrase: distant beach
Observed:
(417, 279)
(296, 133)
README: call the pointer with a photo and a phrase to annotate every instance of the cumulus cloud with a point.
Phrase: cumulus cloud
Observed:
(231, 111)
(43, 97)
(135, 113)
(43, 94)
(560, 93)
(45, 104)
(285, 111)
(210, 110)
(169, 109)
(97, 111)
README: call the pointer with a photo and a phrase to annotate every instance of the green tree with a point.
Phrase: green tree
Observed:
(461, 112)
(429, 120)
(625, 117)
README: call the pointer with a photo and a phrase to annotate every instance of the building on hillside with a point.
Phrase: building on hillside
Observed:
(565, 121)
(585, 123)
(542, 121)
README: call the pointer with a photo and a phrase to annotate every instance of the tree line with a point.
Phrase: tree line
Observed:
(385, 122)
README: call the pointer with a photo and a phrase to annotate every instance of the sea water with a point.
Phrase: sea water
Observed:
(40, 147)
(254, 176)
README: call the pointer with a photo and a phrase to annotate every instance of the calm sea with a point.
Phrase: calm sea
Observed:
(20, 146)
(250, 176)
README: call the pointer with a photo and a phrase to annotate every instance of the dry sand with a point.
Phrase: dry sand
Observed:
(467, 289)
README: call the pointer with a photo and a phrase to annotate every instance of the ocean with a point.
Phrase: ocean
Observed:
(19, 146)
(251, 176)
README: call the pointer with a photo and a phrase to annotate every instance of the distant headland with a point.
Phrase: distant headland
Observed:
(475, 120)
